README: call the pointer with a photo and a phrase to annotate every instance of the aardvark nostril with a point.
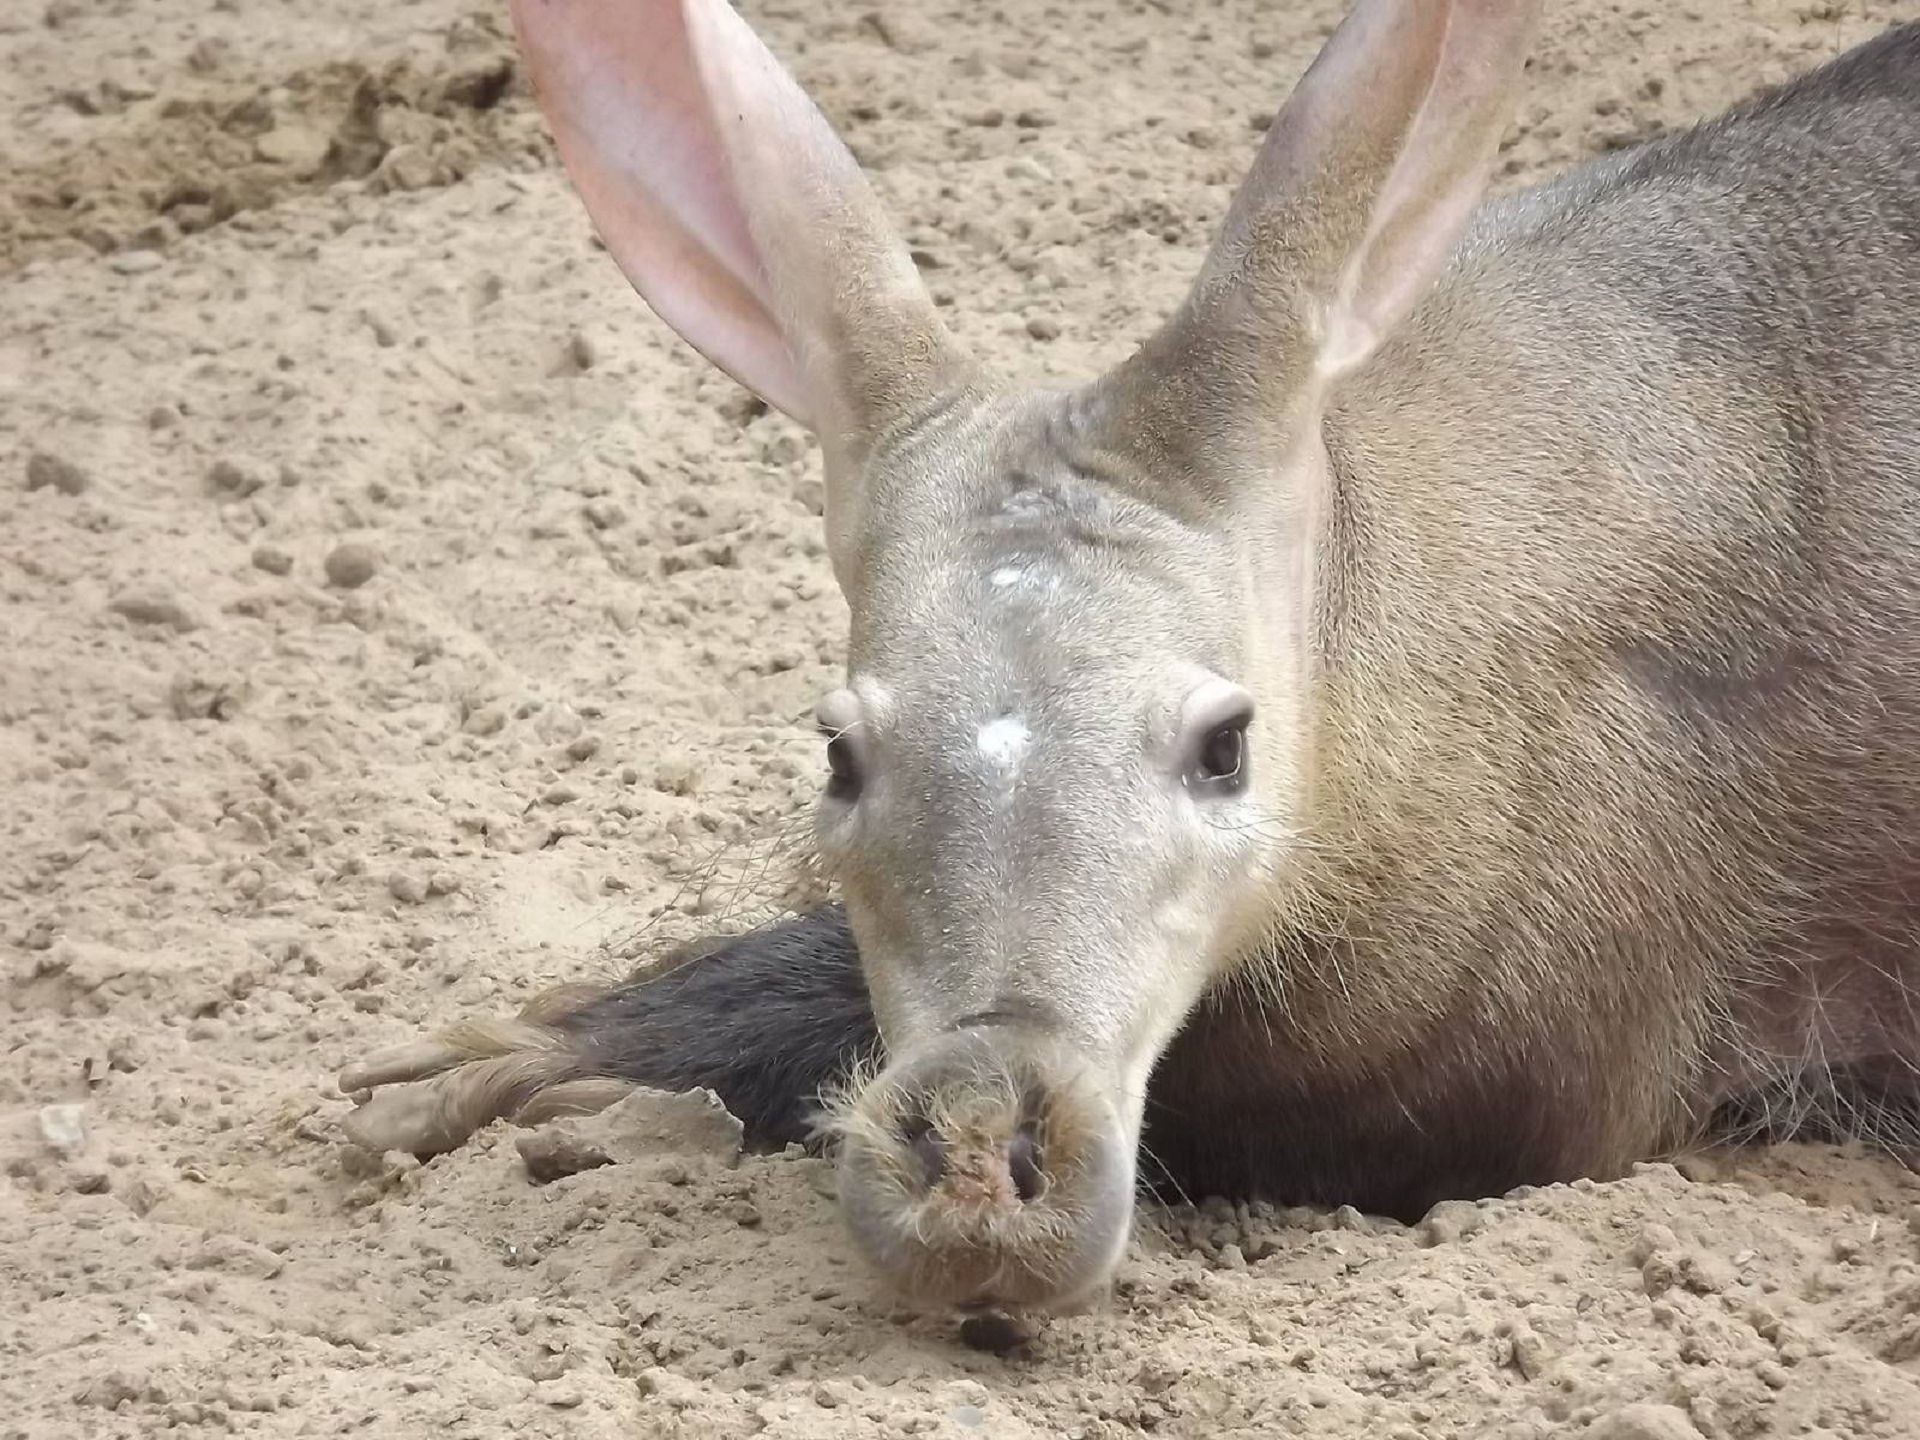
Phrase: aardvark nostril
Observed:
(928, 1148)
(991, 1167)
(1023, 1165)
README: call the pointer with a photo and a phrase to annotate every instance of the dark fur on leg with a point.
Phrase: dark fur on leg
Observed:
(764, 1020)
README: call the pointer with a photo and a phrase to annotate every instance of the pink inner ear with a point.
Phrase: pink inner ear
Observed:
(627, 95)
(1388, 136)
(1433, 187)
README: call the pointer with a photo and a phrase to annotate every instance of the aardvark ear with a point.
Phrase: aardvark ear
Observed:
(728, 201)
(1354, 204)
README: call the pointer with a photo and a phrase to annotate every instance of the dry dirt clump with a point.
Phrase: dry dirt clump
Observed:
(398, 621)
(140, 163)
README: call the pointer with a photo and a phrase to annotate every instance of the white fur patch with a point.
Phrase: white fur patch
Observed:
(1027, 577)
(1003, 743)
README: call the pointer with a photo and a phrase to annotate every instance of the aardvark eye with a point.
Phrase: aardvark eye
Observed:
(1219, 765)
(843, 767)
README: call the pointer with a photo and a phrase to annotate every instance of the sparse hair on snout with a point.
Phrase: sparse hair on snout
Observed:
(963, 1235)
(1438, 716)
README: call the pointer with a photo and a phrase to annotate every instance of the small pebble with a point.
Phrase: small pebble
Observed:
(1653, 1239)
(194, 696)
(46, 471)
(1348, 1218)
(408, 889)
(234, 479)
(272, 559)
(1449, 1222)
(153, 605)
(350, 565)
(1530, 1354)
(677, 775)
(134, 262)
(555, 1151)
(559, 1394)
(141, 1194)
(64, 1128)
(603, 514)
(487, 720)
(1043, 327)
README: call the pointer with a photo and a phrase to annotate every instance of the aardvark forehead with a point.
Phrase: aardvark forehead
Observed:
(982, 623)
(1015, 514)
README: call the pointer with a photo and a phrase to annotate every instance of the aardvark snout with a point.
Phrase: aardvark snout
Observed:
(987, 1168)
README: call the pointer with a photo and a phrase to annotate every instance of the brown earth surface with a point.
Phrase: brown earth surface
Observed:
(399, 620)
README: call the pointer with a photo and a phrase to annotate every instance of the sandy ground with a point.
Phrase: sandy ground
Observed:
(397, 620)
